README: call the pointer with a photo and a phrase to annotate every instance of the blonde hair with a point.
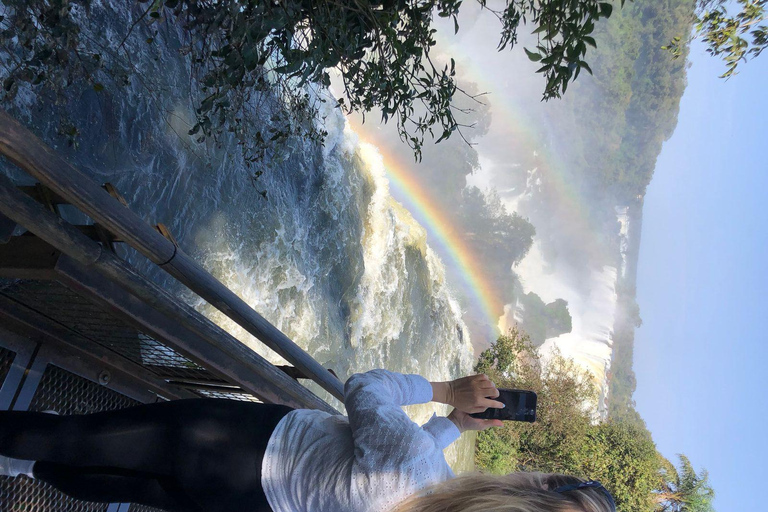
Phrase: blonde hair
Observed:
(515, 492)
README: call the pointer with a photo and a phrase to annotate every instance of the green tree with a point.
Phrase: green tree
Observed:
(504, 237)
(543, 321)
(736, 38)
(684, 490)
(243, 51)
(554, 441)
(624, 458)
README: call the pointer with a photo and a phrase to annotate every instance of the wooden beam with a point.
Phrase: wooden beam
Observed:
(262, 379)
(7, 227)
(92, 231)
(28, 257)
(43, 195)
(295, 373)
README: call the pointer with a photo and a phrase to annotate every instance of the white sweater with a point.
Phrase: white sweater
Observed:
(369, 462)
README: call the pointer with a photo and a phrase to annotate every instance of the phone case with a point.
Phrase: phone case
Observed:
(520, 406)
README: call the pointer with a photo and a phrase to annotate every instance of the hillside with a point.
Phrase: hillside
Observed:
(617, 120)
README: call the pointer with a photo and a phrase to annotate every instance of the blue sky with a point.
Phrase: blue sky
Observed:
(701, 356)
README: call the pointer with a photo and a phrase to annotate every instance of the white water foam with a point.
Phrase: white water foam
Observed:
(592, 308)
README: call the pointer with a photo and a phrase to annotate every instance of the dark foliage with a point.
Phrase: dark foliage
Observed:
(242, 49)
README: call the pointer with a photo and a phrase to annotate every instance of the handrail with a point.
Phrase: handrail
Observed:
(33, 156)
(187, 331)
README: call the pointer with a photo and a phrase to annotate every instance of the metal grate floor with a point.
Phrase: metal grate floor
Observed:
(95, 323)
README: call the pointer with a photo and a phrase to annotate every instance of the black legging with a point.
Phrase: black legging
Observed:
(201, 455)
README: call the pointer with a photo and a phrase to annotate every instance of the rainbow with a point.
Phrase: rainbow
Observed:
(430, 214)
(520, 127)
(517, 126)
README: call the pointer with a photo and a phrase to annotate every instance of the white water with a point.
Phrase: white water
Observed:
(592, 299)
(623, 217)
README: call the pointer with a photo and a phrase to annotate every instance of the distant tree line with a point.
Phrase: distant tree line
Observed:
(503, 238)
(618, 120)
(622, 384)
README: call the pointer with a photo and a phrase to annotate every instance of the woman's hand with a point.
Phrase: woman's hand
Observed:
(469, 394)
(464, 421)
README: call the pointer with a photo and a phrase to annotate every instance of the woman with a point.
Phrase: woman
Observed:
(220, 455)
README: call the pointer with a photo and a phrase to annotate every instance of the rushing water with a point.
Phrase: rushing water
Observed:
(591, 295)
(330, 258)
(593, 309)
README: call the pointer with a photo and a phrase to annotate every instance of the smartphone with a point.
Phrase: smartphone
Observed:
(520, 406)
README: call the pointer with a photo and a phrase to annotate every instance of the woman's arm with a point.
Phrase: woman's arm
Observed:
(441, 392)
(382, 433)
(468, 394)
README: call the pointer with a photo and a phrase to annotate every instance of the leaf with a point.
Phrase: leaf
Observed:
(535, 57)
(98, 87)
(606, 9)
